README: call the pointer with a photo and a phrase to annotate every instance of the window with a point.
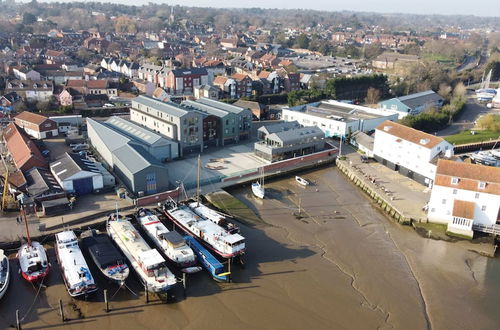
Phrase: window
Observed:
(443, 201)
(483, 208)
(482, 185)
(455, 191)
(454, 180)
(476, 196)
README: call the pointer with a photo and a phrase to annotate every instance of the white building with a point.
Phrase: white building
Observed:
(335, 118)
(409, 151)
(76, 174)
(464, 195)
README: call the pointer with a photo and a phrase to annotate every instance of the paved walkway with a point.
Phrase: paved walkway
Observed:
(406, 195)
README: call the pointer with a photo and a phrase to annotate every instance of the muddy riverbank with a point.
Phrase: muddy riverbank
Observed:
(338, 263)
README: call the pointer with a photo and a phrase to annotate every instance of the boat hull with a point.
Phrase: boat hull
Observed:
(34, 278)
(258, 191)
(206, 244)
(39, 275)
(5, 286)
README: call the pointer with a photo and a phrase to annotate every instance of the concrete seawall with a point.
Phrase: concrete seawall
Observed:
(385, 202)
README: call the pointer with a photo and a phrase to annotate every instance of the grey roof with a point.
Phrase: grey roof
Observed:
(221, 105)
(184, 72)
(363, 139)
(206, 108)
(414, 100)
(165, 107)
(135, 158)
(279, 127)
(134, 131)
(295, 135)
(70, 164)
(40, 181)
(114, 140)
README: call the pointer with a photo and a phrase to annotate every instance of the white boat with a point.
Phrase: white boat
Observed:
(485, 93)
(147, 263)
(215, 237)
(33, 262)
(302, 181)
(258, 187)
(169, 242)
(74, 269)
(485, 158)
(4, 273)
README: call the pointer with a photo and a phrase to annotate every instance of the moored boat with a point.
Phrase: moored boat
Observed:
(215, 237)
(209, 262)
(147, 263)
(33, 261)
(106, 256)
(4, 273)
(302, 181)
(169, 242)
(258, 187)
(214, 216)
(74, 269)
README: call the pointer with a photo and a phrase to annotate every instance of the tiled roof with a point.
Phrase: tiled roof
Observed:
(220, 80)
(463, 209)
(239, 76)
(409, 134)
(22, 148)
(31, 117)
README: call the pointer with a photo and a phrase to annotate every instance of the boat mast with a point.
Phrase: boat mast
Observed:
(198, 183)
(23, 214)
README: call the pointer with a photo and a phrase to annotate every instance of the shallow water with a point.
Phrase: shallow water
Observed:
(338, 264)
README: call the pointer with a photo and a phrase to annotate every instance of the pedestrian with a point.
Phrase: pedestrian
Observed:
(17, 219)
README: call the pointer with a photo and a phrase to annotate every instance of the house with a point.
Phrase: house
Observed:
(363, 142)
(93, 87)
(226, 85)
(9, 102)
(136, 168)
(413, 104)
(23, 73)
(99, 45)
(183, 81)
(243, 85)
(66, 123)
(144, 86)
(65, 98)
(259, 110)
(36, 125)
(77, 175)
(211, 92)
(160, 94)
(335, 118)
(290, 143)
(465, 196)
(31, 90)
(174, 121)
(411, 152)
(55, 56)
(392, 60)
(23, 151)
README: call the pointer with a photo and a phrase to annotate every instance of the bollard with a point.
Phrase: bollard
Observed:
(146, 292)
(61, 310)
(230, 260)
(106, 303)
(184, 281)
(18, 322)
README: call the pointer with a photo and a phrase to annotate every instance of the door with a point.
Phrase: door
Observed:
(83, 186)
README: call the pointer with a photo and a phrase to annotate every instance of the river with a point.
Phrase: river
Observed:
(338, 264)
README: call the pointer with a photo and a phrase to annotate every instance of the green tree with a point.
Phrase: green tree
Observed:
(29, 18)
(302, 41)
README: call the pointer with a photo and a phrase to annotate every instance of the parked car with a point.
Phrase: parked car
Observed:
(108, 105)
(80, 147)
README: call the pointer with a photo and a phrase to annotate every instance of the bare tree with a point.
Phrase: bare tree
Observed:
(372, 96)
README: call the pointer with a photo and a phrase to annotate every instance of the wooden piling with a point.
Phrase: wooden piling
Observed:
(61, 310)
(18, 321)
(106, 303)
(146, 292)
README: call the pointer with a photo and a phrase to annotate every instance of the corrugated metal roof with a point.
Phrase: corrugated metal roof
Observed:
(135, 158)
(135, 131)
(417, 99)
(71, 164)
(114, 140)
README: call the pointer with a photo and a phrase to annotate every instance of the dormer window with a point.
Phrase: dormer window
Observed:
(454, 180)
(482, 185)
(35, 86)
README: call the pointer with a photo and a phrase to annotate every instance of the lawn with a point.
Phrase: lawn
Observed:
(234, 207)
(465, 137)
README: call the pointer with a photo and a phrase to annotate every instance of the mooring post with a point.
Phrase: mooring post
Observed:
(184, 282)
(146, 292)
(230, 261)
(61, 310)
(18, 321)
(106, 303)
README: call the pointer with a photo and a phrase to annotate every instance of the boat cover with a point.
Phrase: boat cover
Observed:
(173, 237)
(103, 251)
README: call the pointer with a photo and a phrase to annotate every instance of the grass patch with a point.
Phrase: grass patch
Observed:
(449, 233)
(432, 230)
(465, 137)
(228, 204)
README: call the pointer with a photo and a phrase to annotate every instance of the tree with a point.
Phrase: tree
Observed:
(29, 18)
(489, 122)
(302, 41)
(444, 91)
(372, 96)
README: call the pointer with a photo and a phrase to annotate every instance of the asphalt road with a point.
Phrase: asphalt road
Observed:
(472, 111)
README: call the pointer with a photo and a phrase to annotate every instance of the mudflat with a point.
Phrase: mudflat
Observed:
(323, 258)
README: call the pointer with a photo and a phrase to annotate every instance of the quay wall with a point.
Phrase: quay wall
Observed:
(384, 202)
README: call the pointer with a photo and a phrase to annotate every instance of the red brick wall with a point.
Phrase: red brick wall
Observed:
(160, 197)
